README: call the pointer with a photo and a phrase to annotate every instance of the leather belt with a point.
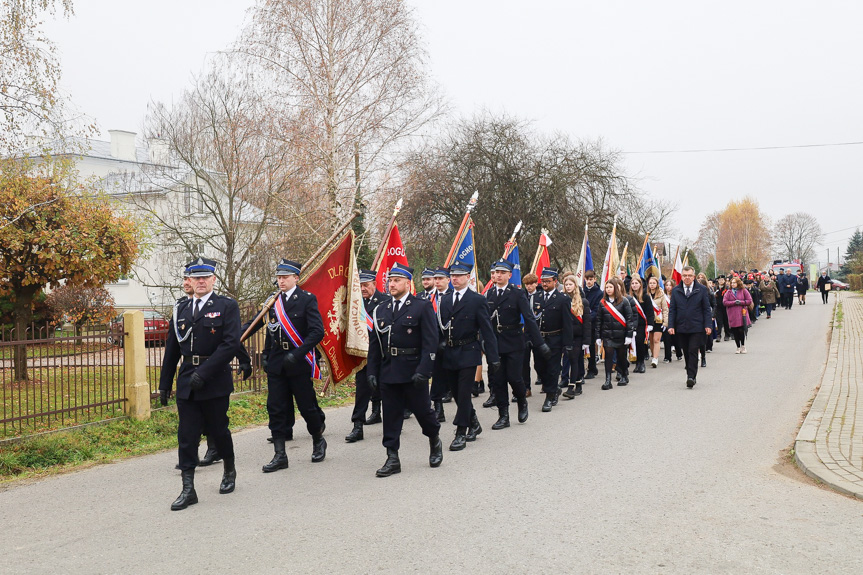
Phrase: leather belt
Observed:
(549, 333)
(459, 342)
(194, 359)
(503, 328)
(394, 351)
(286, 345)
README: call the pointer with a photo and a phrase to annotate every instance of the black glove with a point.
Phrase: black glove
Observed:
(291, 357)
(373, 382)
(419, 380)
(163, 396)
(246, 370)
(197, 382)
(545, 351)
(493, 367)
(264, 362)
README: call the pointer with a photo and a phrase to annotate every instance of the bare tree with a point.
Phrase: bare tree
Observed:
(796, 236)
(351, 74)
(222, 186)
(708, 239)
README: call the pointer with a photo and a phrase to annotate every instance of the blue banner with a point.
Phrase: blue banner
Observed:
(516, 266)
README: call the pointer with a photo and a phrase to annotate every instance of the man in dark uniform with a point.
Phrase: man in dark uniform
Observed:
(440, 392)
(555, 326)
(464, 316)
(294, 329)
(401, 355)
(533, 299)
(427, 279)
(372, 298)
(511, 316)
(206, 335)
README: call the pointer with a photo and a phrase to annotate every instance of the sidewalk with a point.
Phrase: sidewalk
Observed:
(829, 446)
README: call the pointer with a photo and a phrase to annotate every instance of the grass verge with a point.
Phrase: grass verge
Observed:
(60, 452)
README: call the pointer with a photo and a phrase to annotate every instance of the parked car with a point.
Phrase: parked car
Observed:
(155, 329)
(838, 285)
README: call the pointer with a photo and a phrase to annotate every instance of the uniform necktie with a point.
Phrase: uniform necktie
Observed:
(197, 309)
(457, 296)
(499, 292)
(396, 306)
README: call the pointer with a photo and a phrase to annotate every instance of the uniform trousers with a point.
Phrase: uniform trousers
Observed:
(209, 416)
(439, 385)
(460, 382)
(549, 371)
(525, 368)
(509, 373)
(690, 343)
(397, 397)
(362, 396)
(283, 390)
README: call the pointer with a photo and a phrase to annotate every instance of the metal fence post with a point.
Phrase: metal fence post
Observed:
(136, 387)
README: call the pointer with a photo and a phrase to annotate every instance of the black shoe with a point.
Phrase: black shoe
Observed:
(478, 387)
(549, 402)
(375, 415)
(491, 401)
(578, 387)
(187, 496)
(438, 411)
(319, 447)
(639, 367)
(522, 411)
(624, 380)
(527, 392)
(514, 399)
(666, 360)
(460, 440)
(210, 457)
(556, 397)
(679, 357)
(447, 397)
(435, 451)
(590, 375)
(280, 459)
(690, 383)
(502, 420)
(703, 362)
(392, 465)
(229, 477)
(356, 433)
(726, 338)
(474, 429)
(407, 414)
(570, 392)
(607, 384)
(617, 376)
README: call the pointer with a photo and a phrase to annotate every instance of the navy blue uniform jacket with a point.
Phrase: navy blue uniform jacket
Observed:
(469, 318)
(556, 317)
(413, 327)
(507, 311)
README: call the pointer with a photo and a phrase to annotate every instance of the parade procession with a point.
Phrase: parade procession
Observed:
(415, 341)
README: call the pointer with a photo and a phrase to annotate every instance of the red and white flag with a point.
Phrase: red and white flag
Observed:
(393, 254)
(542, 259)
(677, 272)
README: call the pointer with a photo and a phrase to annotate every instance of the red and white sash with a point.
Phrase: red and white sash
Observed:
(615, 313)
(294, 335)
(657, 310)
(643, 316)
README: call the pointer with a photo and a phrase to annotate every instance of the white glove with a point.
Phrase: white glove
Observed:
(585, 347)
(599, 343)
(649, 328)
(627, 341)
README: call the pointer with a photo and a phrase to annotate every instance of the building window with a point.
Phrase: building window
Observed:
(193, 200)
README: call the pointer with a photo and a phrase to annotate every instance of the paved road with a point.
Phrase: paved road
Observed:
(652, 478)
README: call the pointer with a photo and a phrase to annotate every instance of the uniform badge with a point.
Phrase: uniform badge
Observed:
(183, 326)
(213, 331)
(408, 302)
(410, 331)
(431, 355)
(295, 296)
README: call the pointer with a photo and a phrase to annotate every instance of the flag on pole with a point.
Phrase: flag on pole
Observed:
(648, 266)
(677, 271)
(611, 263)
(335, 281)
(513, 258)
(392, 254)
(585, 261)
(466, 251)
(542, 259)
(686, 258)
(624, 265)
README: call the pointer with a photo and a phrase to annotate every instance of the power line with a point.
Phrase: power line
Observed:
(743, 149)
(843, 230)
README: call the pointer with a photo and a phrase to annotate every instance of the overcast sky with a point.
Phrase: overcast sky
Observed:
(643, 76)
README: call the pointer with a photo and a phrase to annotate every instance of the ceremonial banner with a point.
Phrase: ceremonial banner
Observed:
(649, 267)
(542, 259)
(611, 263)
(624, 265)
(335, 281)
(677, 272)
(582, 261)
(466, 252)
(392, 254)
(510, 254)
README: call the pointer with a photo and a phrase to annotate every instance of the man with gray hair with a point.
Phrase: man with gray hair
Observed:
(690, 318)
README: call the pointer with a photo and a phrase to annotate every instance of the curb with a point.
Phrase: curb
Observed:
(806, 446)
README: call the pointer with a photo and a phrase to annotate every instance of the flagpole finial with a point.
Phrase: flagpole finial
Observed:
(517, 228)
(399, 204)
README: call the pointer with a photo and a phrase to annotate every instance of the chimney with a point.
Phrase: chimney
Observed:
(123, 145)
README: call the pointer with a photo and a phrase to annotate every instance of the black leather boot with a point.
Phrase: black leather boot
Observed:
(375, 415)
(211, 456)
(460, 440)
(392, 465)
(624, 380)
(438, 411)
(229, 477)
(570, 392)
(703, 361)
(556, 397)
(578, 387)
(549, 402)
(447, 397)
(435, 451)
(319, 447)
(491, 401)
(407, 414)
(187, 496)
(522, 410)
(639, 367)
(607, 384)
(474, 429)
(356, 433)
(280, 459)
(503, 418)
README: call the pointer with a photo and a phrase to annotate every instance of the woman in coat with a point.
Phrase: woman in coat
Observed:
(642, 304)
(769, 294)
(737, 301)
(802, 288)
(613, 330)
(582, 332)
(660, 317)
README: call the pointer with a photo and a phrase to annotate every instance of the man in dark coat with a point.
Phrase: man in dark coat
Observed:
(821, 285)
(555, 327)
(465, 321)
(401, 356)
(440, 392)
(206, 336)
(294, 329)
(593, 293)
(364, 394)
(427, 279)
(787, 284)
(533, 299)
(511, 317)
(689, 318)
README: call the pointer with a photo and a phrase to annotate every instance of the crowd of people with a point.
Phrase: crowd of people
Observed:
(426, 350)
